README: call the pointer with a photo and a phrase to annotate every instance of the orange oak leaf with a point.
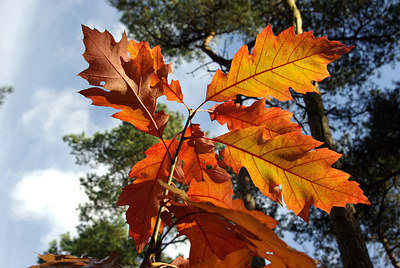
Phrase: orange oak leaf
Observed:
(199, 159)
(276, 63)
(240, 258)
(261, 240)
(172, 91)
(52, 260)
(206, 224)
(127, 82)
(209, 234)
(199, 140)
(199, 166)
(142, 195)
(276, 120)
(220, 194)
(306, 175)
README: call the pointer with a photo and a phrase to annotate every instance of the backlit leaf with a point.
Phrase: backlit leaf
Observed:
(209, 234)
(306, 176)
(206, 225)
(142, 195)
(275, 120)
(276, 64)
(172, 91)
(240, 258)
(199, 159)
(221, 194)
(127, 82)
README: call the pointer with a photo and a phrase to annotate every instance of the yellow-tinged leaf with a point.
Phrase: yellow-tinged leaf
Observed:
(276, 64)
(306, 175)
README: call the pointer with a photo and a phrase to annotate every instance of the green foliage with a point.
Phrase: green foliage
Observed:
(373, 26)
(181, 27)
(374, 160)
(4, 90)
(97, 240)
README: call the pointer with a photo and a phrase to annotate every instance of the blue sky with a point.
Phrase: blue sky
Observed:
(40, 49)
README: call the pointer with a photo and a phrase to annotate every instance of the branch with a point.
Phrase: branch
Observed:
(205, 47)
(202, 66)
(295, 16)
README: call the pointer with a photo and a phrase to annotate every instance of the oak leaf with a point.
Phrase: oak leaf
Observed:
(306, 175)
(199, 140)
(197, 225)
(261, 239)
(199, 158)
(221, 194)
(276, 64)
(142, 195)
(236, 116)
(199, 166)
(127, 82)
(173, 90)
(206, 224)
(240, 258)
(51, 260)
(209, 234)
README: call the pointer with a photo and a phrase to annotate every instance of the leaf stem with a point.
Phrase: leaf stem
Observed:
(153, 247)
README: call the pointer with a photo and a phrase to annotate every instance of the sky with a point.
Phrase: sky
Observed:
(40, 50)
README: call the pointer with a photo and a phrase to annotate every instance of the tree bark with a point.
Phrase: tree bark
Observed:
(353, 251)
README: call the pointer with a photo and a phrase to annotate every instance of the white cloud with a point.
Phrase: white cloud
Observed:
(51, 196)
(56, 113)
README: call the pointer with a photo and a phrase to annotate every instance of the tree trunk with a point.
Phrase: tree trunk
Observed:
(353, 251)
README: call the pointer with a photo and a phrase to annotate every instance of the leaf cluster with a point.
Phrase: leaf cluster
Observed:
(284, 164)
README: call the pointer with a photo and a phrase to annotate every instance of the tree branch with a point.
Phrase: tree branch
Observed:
(205, 47)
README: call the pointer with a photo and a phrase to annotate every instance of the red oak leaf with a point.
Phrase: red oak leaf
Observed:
(209, 234)
(127, 81)
(240, 258)
(172, 91)
(142, 195)
(199, 140)
(199, 159)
